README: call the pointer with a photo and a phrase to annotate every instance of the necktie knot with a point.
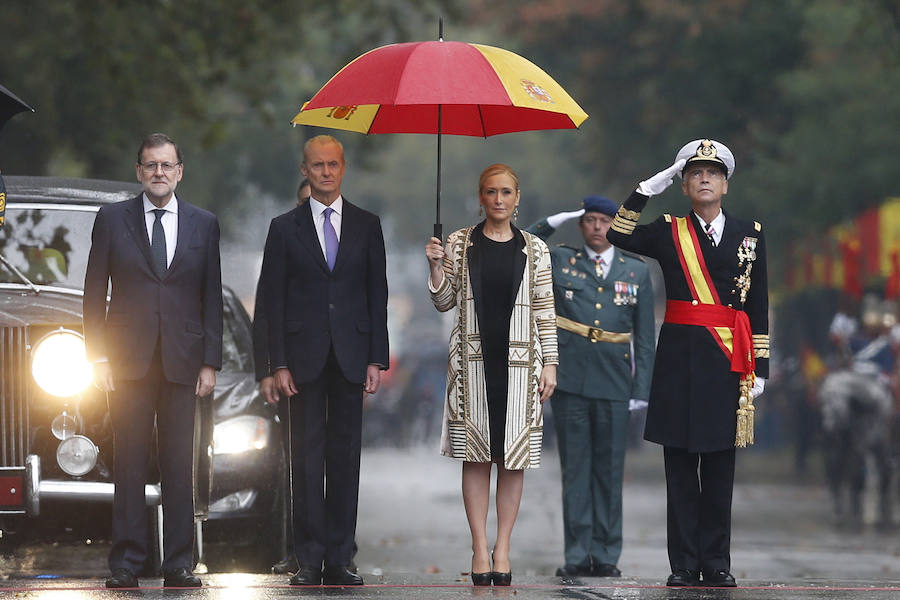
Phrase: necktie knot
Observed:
(159, 212)
(710, 233)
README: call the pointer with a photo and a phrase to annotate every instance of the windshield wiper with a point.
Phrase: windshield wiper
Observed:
(19, 274)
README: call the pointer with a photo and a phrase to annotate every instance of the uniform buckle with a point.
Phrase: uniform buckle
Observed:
(595, 334)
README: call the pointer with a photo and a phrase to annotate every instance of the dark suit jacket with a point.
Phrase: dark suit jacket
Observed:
(183, 310)
(311, 309)
(261, 334)
(694, 393)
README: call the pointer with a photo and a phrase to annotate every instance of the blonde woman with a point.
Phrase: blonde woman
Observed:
(502, 364)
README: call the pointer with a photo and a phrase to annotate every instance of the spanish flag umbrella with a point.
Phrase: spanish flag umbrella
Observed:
(441, 87)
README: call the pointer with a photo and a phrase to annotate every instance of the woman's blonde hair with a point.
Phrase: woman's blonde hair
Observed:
(497, 169)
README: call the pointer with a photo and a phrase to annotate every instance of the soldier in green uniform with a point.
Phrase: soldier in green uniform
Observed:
(604, 307)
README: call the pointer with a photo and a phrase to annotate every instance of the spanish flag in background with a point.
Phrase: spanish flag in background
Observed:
(2, 201)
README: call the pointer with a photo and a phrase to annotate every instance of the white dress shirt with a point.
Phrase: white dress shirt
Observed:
(607, 255)
(718, 226)
(169, 222)
(318, 217)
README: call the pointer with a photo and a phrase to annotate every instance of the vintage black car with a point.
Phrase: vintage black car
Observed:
(55, 436)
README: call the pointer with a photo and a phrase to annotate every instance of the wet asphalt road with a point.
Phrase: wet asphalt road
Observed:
(413, 543)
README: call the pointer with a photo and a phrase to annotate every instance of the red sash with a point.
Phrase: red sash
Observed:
(730, 328)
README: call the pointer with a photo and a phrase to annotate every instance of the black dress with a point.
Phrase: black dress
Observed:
(498, 297)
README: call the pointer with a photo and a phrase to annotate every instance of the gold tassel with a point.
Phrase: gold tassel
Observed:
(745, 413)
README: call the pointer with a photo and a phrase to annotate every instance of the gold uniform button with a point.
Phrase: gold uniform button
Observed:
(626, 355)
(600, 289)
(598, 306)
(694, 302)
(596, 322)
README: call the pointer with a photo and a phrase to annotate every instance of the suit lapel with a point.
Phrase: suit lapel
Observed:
(351, 229)
(519, 264)
(617, 268)
(137, 227)
(186, 227)
(306, 231)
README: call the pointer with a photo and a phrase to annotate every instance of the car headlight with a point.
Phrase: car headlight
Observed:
(241, 434)
(76, 455)
(59, 364)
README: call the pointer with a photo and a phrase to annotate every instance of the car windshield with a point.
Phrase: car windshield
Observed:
(48, 243)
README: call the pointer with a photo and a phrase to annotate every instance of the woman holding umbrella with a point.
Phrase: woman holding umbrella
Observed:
(502, 363)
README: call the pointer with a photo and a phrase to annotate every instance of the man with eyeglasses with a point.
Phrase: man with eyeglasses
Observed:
(712, 354)
(604, 308)
(155, 351)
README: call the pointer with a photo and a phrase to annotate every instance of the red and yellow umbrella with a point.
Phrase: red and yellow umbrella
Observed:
(480, 90)
(441, 87)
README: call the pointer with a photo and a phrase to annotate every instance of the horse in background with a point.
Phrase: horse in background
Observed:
(857, 414)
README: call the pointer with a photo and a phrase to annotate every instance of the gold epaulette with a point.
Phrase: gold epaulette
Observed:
(761, 345)
(625, 221)
(757, 226)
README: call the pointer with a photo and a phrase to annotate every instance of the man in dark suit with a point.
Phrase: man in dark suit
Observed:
(712, 354)
(326, 303)
(155, 350)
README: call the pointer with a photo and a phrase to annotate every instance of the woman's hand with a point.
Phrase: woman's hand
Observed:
(434, 252)
(547, 382)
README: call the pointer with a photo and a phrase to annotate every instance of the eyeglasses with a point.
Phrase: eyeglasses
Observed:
(167, 167)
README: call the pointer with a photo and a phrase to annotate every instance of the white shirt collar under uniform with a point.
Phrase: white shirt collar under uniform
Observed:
(718, 225)
(607, 255)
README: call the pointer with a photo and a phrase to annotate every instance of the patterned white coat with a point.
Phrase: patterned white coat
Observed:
(532, 344)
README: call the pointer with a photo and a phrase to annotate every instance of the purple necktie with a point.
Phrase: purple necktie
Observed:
(331, 241)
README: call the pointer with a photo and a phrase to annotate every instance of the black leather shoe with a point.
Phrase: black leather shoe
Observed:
(340, 576)
(573, 571)
(307, 575)
(482, 579)
(182, 578)
(122, 578)
(605, 570)
(684, 578)
(286, 565)
(501, 578)
(720, 578)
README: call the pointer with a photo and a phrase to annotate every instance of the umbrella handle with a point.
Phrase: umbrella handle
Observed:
(439, 231)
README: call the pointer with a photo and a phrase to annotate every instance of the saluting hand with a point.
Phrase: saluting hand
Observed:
(434, 252)
(658, 183)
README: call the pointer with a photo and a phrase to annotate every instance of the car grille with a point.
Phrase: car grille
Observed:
(14, 390)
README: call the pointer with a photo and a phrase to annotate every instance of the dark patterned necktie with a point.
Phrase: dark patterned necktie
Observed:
(709, 234)
(158, 245)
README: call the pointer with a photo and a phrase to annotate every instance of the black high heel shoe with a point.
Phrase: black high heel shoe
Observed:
(499, 577)
(482, 579)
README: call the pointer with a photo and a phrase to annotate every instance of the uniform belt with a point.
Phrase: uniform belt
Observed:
(595, 334)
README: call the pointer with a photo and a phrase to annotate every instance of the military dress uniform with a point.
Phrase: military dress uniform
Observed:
(694, 396)
(598, 319)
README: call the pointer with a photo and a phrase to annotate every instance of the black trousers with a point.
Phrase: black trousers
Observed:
(326, 435)
(699, 488)
(133, 407)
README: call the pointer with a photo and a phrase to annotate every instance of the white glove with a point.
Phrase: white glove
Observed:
(637, 404)
(658, 183)
(558, 219)
(759, 384)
